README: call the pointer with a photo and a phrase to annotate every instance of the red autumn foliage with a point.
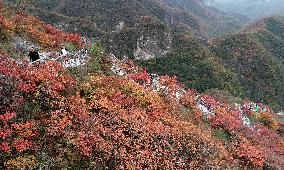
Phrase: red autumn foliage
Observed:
(189, 101)
(139, 136)
(46, 34)
(5, 148)
(111, 119)
(21, 145)
(248, 153)
(5, 132)
(25, 85)
(116, 123)
(229, 120)
(172, 84)
(269, 142)
(7, 116)
(260, 135)
(210, 102)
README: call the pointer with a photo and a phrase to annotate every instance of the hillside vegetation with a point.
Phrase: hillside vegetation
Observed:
(51, 119)
(256, 55)
(173, 38)
(246, 64)
(196, 66)
(120, 25)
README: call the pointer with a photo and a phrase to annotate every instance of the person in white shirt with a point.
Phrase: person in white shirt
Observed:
(64, 51)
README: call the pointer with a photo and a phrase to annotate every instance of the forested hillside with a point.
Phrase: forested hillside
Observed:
(247, 64)
(256, 55)
(151, 29)
(196, 66)
(123, 26)
(90, 109)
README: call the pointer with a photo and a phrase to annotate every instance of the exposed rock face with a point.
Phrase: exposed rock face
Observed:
(148, 47)
(119, 26)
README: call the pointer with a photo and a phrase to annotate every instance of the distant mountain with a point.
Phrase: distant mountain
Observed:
(254, 9)
(256, 55)
(179, 14)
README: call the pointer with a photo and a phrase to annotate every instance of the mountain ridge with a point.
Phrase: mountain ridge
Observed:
(258, 38)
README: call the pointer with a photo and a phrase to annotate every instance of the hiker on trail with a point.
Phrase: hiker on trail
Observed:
(33, 54)
(257, 108)
(63, 52)
(147, 78)
(155, 82)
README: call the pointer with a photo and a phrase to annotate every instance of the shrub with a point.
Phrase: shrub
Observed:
(248, 153)
(95, 62)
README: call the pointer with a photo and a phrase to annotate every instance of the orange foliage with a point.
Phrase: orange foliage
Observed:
(115, 122)
(268, 120)
(227, 119)
(189, 101)
(248, 153)
(46, 34)
(109, 119)
(21, 162)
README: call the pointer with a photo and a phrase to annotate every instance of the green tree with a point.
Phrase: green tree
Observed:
(97, 51)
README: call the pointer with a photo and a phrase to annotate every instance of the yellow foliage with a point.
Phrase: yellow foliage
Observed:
(21, 162)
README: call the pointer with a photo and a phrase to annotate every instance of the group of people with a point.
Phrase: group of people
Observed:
(34, 55)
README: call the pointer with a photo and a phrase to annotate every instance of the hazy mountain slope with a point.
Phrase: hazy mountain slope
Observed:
(146, 29)
(256, 55)
(215, 23)
(106, 14)
(254, 9)
(271, 35)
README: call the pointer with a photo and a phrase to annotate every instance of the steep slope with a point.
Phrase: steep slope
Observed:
(270, 33)
(196, 66)
(213, 21)
(107, 14)
(248, 64)
(256, 55)
(51, 120)
(121, 27)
